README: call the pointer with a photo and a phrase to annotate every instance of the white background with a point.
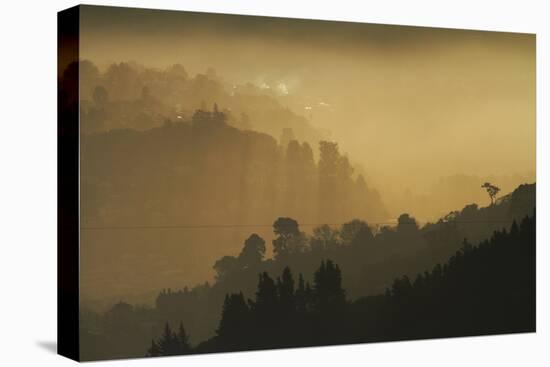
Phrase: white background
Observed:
(28, 183)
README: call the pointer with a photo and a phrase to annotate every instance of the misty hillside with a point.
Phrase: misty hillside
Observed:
(128, 95)
(203, 171)
(453, 191)
(206, 184)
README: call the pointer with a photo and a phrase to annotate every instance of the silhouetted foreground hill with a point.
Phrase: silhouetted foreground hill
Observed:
(483, 289)
(473, 281)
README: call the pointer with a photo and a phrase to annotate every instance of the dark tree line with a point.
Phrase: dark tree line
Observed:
(281, 307)
(484, 289)
(170, 343)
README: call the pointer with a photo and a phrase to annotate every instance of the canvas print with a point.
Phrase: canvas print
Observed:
(250, 183)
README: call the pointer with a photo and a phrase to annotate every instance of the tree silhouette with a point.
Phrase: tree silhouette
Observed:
(286, 227)
(253, 251)
(335, 182)
(154, 350)
(356, 232)
(492, 190)
(168, 343)
(406, 223)
(285, 288)
(234, 319)
(266, 295)
(183, 339)
(329, 294)
(301, 297)
(324, 238)
(289, 239)
(225, 267)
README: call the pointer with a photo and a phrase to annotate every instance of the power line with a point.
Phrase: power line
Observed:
(206, 226)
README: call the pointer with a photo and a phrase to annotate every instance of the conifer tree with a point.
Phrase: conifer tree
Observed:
(300, 295)
(168, 343)
(183, 339)
(235, 315)
(266, 295)
(286, 291)
(328, 292)
(154, 350)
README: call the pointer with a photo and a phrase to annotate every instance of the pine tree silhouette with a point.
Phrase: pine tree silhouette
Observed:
(168, 343)
(154, 350)
(328, 292)
(233, 329)
(183, 340)
(285, 289)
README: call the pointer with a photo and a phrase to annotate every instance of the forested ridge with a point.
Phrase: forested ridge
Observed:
(488, 288)
(202, 171)
(367, 261)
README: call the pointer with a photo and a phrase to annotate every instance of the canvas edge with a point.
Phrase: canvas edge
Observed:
(68, 205)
